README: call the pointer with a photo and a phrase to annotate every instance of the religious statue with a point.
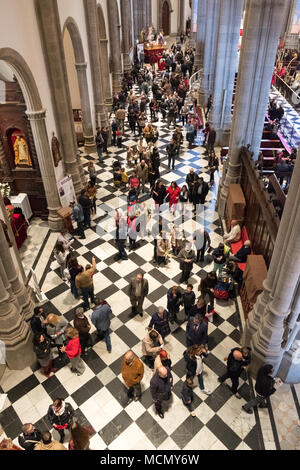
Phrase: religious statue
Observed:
(21, 151)
(55, 148)
(160, 38)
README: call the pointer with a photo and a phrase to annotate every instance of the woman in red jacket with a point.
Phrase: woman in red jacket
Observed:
(73, 351)
(174, 192)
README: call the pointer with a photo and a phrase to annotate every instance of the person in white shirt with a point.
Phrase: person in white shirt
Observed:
(235, 233)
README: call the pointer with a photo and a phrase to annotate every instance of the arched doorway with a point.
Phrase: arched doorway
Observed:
(36, 115)
(78, 85)
(166, 18)
(103, 55)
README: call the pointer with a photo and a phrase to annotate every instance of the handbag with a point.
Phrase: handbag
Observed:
(167, 198)
(221, 291)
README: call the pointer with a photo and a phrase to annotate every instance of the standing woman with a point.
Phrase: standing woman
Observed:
(91, 192)
(56, 328)
(74, 269)
(80, 437)
(83, 326)
(73, 351)
(42, 349)
(159, 193)
(194, 364)
(60, 255)
(174, 192)
(60, 415)
(184, 196)
(92, 172)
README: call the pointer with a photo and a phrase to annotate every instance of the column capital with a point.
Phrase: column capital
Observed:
(36, 115)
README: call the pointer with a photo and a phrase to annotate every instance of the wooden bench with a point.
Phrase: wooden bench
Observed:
(267, 143)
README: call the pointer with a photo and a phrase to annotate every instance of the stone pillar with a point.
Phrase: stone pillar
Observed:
(200, 36)
(126, 25)
(195, 9)
(181, 17)
(88, 133)
(4, 163)
(33, 150)
(230, 16)
(14, 331)
(260, 40)
(38, 126)
(23, 296)
(115, 51)
(266, 343)
(212, 11)
(288, 15)
(256, 315)
(97, 77)
(149, 13)
(52, 43)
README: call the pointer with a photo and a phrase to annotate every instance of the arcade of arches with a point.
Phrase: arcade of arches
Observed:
(76, 92)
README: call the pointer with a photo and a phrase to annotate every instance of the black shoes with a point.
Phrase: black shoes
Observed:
(161, 415)
(247, 411)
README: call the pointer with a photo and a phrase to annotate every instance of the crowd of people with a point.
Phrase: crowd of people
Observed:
(169, 103)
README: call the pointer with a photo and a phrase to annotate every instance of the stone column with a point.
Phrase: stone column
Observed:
(97, 77)
(88, 133)
(212, 11)
(279, 253)
(14, 331)
(115, 49)
(4, 163)
(126, 25)
(266, 343)
(23, 297)
(38, 126)
(230, 15)
(200, 36)
(52, 43)
(181, 10)
(149, 13)
(260, 40)
(194, 11)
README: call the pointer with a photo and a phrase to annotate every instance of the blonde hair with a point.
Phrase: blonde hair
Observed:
(53, 319)
(72, 333)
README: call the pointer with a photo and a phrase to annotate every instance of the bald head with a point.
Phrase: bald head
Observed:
(129, 356)
(238, 355)
(163, 372)
(247, 243)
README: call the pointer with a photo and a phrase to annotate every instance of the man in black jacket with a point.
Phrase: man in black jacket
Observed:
(160, 388)
(196, 331)
(86, 205)
(264, 387)
(172, 152)
(191, 179)
(37, 321)
(201, 189)
(30, 436)
(242, 254)
(236, 362)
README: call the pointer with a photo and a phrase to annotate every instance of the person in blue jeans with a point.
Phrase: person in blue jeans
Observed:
(194, 364)
(101, 320)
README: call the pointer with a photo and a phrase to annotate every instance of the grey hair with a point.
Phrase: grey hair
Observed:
(161, 309)
(79, 311)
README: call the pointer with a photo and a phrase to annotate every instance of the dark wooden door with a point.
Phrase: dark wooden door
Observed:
(166, 18)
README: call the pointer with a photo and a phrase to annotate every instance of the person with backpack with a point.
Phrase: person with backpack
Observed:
(265, 386)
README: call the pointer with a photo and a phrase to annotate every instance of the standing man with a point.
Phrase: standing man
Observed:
(142, 173)
(202, 241)
(172, 152)
(121, 234)
(208, 106)
(132, 373)
(114, 128)
(84, 281)
(265, 386)
(235, 365)
(186, 258)
(120, 115)
(210, 146)
(196, 331)
(30, 436)
(79, 218)
(37, 323)
(138, 290)
(161, 386)
(100, 145)
(101, 320)
(191, 179)
(86, 205)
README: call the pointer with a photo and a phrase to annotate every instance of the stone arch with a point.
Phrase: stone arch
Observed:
(81, 66)
(103, 56)
(36, 115)
(159, 12)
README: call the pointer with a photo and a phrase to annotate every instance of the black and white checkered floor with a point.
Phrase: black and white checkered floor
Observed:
(99, 396)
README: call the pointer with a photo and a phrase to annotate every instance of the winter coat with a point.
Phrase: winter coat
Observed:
(264, 385)
(173, 302)
(191, 364)
(43, 350)
(142, 172)
(162, 246)
(132, 374)
(174, 195)
(73, 348)
(188, 300)
(36, 325)
(161, 324)
(52, 331)
(149, 348)
(161, 388)
(54, 445)
(161, 194)
(159, 363)
(65, 418)
(187, 394)
(28, 441)
(82, 325)
(186, 255)
(234, 367)
(196, 337)
(101, 317)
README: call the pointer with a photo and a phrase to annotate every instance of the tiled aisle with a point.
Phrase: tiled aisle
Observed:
(99, 396)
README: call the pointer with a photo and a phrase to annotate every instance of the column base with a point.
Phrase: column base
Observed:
(89, 144)
(20, 356)
(222, 138)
